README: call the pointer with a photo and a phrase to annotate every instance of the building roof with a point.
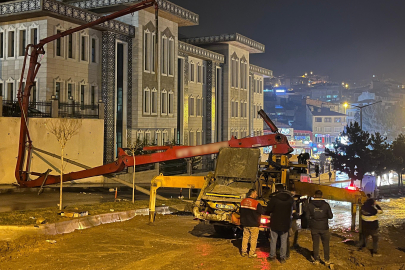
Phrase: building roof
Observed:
(18, 10)
(260, 70)
(200, 52)
(235, 39)
(168, 10)
(317, 111)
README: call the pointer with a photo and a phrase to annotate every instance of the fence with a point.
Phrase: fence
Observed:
(35, 109)
(77, 110)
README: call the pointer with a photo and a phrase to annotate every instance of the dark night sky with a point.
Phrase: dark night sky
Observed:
(345, 39)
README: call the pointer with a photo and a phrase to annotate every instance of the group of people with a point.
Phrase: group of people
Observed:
(282, 209)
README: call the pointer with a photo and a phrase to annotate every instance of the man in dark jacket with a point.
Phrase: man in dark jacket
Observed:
(250, 213)
(369, 221)
(318, 213)
(280, 207)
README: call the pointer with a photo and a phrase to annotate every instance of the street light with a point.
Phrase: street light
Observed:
(361, 111)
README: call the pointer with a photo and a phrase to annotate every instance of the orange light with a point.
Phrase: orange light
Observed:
(263, 220)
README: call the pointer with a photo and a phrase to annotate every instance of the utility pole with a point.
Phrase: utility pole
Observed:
(361, 111)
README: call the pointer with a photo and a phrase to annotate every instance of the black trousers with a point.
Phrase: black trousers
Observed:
(374, 235)
(292, 233)
(317, 236)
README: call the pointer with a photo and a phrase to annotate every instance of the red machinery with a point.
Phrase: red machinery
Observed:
(278, 141)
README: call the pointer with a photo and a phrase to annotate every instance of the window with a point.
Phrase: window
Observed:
(337, 129)
(236, 108)
(164, 55)
(191, 106)
(1, 44)
(158, 138)
(327, 129)
(328, 119)
(254, 111)
(232, 108)
(233, 72)
(11, 44)
(153, 53)
(1, 89)
(261, 86)
(204, 76)
(191, 141)
(139, 136)
(154, 101)
(192, 70)
(93, 96)
(10, 95)
(237, 73)
(148, 137)
(163, 108)
(171, 57)
(70, 90)
(58, 86)
(199, 73)
(198, 137)
(242, 74)
(147, 50)
(318, 119)
(34, 36)
(165, 138)
(22, 39)
(84, 48)
(171, 104)
(94, 46)
(82, 91)
(338, 119)
(146, 101)
(199, 106)
(70, 46)
(59, 44)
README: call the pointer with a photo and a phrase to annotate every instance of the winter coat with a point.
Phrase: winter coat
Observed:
(250, 212)
(318, 212)
(280, 207)
(369, 213)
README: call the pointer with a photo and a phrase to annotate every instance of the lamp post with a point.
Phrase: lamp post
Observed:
(361, 111)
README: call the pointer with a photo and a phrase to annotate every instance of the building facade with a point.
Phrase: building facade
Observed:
(154, 87)
(326, 126)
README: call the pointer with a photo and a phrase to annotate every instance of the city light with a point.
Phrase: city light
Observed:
(345, 104)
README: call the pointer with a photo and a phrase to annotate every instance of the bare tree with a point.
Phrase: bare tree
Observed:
(63, 129)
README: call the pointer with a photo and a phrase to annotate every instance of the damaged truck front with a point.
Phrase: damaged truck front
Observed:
(219, 200)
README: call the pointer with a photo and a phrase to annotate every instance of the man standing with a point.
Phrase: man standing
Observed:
(250, 213)
(318, 213)
(369, 221)
(280, 207)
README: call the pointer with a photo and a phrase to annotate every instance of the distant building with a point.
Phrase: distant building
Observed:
(327, 92)
(326, 125)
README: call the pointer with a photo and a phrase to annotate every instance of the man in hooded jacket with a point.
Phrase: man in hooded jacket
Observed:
(318, 214)
(369, 221)
(280, 207)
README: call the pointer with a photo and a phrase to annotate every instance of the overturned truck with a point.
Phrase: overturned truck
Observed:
(238, 170)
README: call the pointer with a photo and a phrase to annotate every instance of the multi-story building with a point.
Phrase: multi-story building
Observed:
(241, 85)
(326, 125)
(153, 86)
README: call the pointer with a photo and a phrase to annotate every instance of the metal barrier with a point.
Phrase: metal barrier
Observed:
(77, 110)
(35, 109)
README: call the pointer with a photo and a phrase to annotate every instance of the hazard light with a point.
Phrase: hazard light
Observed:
(350, 187)
(264, 220)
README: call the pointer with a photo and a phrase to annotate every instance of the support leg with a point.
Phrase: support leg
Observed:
(152, 202)
(354, 210)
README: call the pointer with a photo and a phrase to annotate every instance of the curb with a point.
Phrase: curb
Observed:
(92, 221)
(80, 223)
